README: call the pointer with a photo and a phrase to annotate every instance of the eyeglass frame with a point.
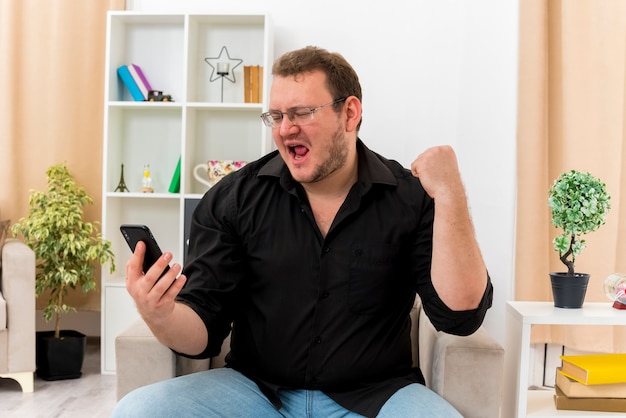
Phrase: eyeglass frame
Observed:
(270, 122)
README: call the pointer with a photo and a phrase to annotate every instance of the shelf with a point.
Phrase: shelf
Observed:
(195, 128)
(520, 318)
(229, 106)
(245, 37)
(144, 105)
(129, 195)
(592, 313)
(130, 104)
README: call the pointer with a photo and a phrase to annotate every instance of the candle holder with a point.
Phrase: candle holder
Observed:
(223, 68)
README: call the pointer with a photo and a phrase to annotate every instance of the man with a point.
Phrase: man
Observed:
(314, 254)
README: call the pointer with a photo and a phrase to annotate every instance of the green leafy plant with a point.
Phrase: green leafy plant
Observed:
(579, 203)
(66, 246)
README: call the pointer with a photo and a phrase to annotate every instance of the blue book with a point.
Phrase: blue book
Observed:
(130, 84)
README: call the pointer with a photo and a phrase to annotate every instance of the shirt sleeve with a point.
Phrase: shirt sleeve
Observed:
(213, 268)
(457, 322)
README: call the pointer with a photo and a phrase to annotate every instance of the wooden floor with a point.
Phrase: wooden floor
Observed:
(92, 395)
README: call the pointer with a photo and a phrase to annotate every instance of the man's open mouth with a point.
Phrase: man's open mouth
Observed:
(298, 151)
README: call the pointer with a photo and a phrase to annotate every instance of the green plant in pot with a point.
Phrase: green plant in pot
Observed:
(67, 250)
(579, 203)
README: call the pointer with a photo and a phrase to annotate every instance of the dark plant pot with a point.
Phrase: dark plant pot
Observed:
(569, 291)
(60, 358)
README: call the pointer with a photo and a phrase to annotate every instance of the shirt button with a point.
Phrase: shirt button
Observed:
(318, 340)
(326, 249)
(325, 294)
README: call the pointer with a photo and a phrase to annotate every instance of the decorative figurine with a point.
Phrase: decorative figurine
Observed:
(146, 182)
(615, 289)
(158, 96)
(121, 186)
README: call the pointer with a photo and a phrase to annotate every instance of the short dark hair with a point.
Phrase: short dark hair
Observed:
(341, 79)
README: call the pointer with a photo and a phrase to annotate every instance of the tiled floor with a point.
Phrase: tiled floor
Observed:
(92, 395)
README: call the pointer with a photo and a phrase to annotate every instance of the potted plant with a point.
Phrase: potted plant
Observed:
(579, 203)
(66, 248)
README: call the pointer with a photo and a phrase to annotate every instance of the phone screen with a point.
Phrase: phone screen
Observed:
(135, 233)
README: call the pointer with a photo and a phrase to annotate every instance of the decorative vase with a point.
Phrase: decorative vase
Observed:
(569, 291)
(60, 358)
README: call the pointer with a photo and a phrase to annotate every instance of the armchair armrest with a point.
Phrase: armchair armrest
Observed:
(142, 360)
(17, 286)
(18, 289)
(466, 371)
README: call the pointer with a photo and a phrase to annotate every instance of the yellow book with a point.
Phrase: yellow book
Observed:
(595, 369)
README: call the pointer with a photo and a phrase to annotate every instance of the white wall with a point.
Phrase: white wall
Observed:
(433, 72)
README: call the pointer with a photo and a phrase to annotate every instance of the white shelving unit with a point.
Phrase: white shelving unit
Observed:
(520, 318)
(196, 127)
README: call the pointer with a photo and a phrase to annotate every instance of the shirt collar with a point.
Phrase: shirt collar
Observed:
(372, 169)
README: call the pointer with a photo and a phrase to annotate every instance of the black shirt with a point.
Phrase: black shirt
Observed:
(311, 312)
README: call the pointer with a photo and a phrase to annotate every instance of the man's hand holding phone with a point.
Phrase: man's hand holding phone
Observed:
(154, 287)
(154, 294)
(149, 279)
(174, 324)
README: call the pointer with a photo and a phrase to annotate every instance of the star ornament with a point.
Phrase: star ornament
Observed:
(234, 63)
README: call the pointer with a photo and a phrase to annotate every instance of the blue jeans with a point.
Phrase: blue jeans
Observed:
(227, 393)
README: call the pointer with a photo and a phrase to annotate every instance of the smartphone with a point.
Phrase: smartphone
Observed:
(135, 233)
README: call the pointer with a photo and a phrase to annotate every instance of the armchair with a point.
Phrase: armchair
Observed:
(466, 371)
(17, 314)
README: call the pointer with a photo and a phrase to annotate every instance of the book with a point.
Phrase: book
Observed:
(573, 389)
(595, 369)
(252, 84)
(247, 92)
(260, 86)
(588, 404)
(140, 79)
(175, 182)
(127, 79)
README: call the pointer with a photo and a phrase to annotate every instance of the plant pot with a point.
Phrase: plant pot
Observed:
(569, 291)
(60, 358)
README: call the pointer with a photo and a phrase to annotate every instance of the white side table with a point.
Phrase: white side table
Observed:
(520, 317)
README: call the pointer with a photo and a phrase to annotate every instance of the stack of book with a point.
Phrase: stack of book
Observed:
(135, 81)
(592, 382)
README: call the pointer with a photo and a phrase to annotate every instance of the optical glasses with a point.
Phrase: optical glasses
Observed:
(297, 115)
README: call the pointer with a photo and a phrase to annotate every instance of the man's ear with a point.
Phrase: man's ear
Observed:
(352, 109)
